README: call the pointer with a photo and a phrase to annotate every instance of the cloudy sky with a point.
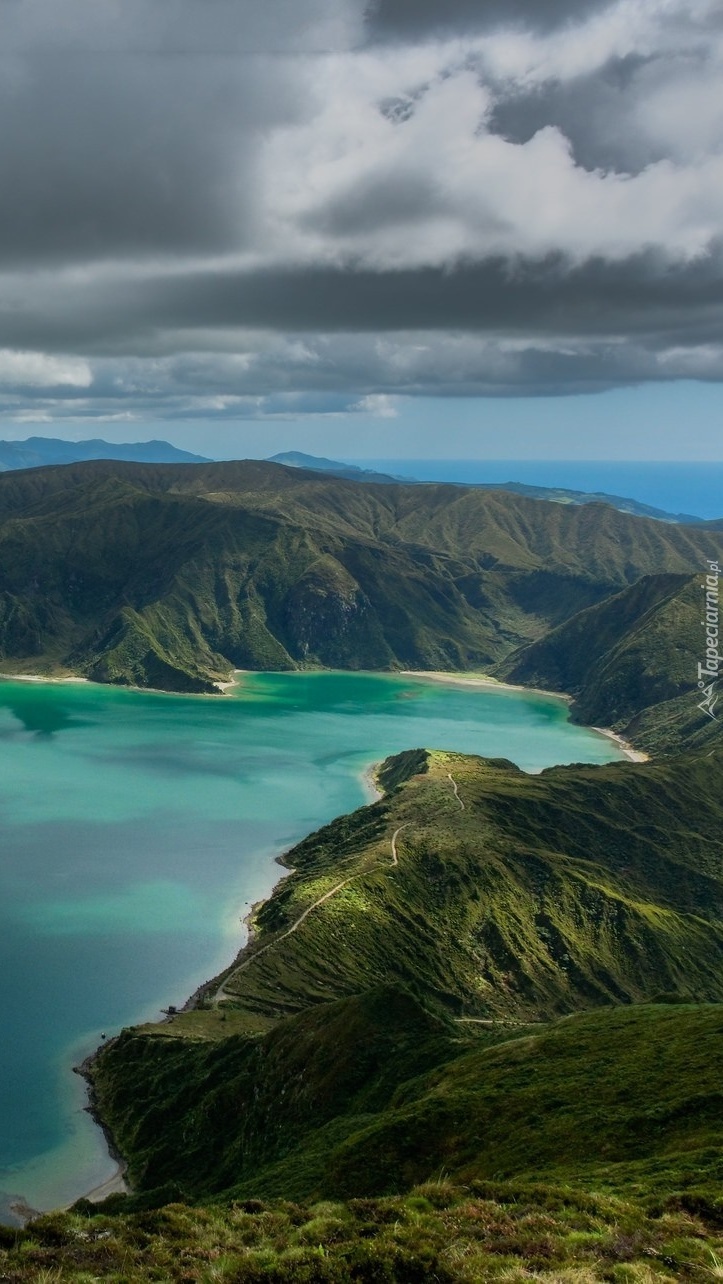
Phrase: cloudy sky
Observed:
(349, 224)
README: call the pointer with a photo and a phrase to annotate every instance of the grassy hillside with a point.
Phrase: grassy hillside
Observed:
(371, 1096)
(545, 893)
(439, 1233)
(410, 1022)
(631, 663)
(171, 575)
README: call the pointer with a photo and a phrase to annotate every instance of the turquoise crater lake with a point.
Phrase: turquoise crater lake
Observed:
(136, 830)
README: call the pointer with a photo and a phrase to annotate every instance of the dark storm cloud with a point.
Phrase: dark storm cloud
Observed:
(134, 127)
(547, 297)
(109, 156)
(591, 111)
(415, 19)
(215, 343)
(638, 295)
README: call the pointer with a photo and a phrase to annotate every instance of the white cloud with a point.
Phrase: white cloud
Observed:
(37, 370)
(400, 168)
(378, 405)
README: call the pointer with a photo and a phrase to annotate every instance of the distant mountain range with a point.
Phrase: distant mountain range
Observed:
(318, 464)
(36, 452)
(557, 494)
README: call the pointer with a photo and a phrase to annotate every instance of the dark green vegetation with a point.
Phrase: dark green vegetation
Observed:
(410, 1024)
(36, 452)
(630, 663)
(547, 893)
(170, 576)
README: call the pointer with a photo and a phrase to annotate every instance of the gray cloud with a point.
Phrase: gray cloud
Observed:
(258, 209)
(215, 309)
(414, 19)
(128, 156)
(180, 26)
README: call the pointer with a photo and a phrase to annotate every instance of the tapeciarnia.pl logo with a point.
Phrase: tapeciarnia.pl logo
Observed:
(708, 672)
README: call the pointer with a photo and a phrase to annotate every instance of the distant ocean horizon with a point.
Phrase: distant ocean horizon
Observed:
(695, 489)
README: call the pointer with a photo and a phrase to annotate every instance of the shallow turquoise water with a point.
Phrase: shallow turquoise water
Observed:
(136, 829)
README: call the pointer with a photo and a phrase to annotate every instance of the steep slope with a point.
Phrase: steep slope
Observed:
(631, 663)
(369, 1096)
(397, 1012)
(171, 575)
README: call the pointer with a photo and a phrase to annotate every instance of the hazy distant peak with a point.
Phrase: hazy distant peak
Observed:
(36, 452)
(318, 464)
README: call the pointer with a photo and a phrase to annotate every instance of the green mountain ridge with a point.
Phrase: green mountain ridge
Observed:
(630, 662)
(477, 1035)
(378, 1003)
(171, 576)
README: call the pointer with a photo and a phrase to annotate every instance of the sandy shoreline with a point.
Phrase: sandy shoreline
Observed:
(222, 687)
(40, 677)
(370, 782)
(635, 755)
(116, 1184)
(479, 680)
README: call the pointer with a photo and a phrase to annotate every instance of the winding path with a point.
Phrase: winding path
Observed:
(395, 860)
(222, 993)
(455, 788)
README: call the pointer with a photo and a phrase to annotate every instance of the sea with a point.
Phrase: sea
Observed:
(694, 489)
(138, 828)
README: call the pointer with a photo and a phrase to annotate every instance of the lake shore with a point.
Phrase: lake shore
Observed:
(635, 755)
(41, 677)
(491, 684)
(450, 678)
(479, 680)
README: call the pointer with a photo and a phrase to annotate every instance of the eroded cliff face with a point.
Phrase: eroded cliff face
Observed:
(328, 618)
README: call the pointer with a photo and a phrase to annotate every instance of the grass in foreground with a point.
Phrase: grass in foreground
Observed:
(437, 1233)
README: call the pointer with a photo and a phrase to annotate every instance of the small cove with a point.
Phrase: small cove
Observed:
(136, 829)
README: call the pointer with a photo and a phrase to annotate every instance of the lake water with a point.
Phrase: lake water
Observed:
(137, 828)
